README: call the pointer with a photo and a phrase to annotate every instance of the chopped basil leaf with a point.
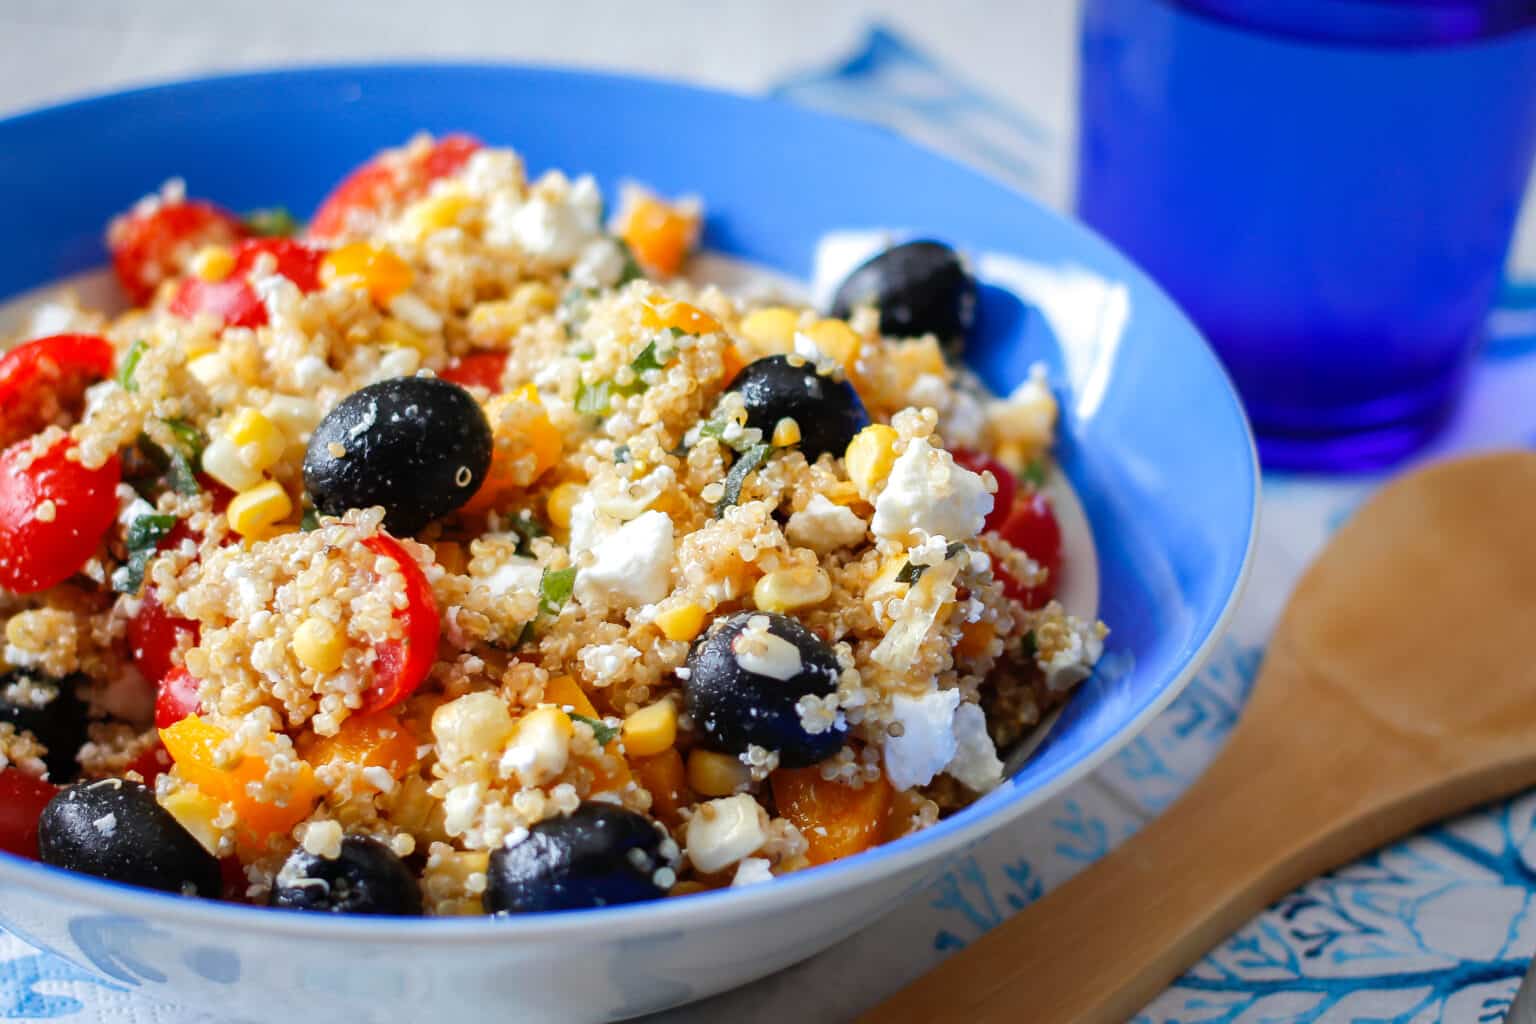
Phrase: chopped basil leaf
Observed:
(174, 466)
(716, 427)
(524, 635)
(527, 529)
(585, 356)
(1029, 645)
(751, 460)
(955, 547)
(601, 731)
(911, 573)
(555, 588)
(272, 222)
(676, 332)
(647, 360)
(631, 271)
(310, 519)
(1034, 474)
(131, 363)
(191, 439)
(142, 540)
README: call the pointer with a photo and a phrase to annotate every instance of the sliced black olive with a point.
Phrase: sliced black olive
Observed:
(114, 829)
(418, 446)
(827, 410)
(745, 680)
(918, 287)
(365, 878)
(52, 711)
(599, 855)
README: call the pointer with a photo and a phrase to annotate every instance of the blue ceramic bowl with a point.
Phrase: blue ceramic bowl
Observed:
(1154, 442)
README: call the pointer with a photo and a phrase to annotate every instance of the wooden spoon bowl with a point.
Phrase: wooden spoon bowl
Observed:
(1399, 688)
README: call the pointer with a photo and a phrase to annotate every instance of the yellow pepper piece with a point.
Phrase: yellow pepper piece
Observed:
(380, 271)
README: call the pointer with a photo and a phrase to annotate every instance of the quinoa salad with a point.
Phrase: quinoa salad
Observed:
(458, 553)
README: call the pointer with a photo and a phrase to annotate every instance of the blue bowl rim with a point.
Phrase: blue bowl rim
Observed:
(947, 836)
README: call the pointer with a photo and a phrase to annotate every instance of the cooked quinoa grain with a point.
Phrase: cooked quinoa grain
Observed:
(286, 680)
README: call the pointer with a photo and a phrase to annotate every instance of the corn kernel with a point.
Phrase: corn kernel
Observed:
(870, 456)
(213, 263)
(786, 432)
(562, 498)
(195, 811)
(492, 324)
(772, 329)
(380, 271)
(434, 213)
(260, 443)
(651, 730)
(211, 369)
(222, 461)
(398, 334)
(682, 622)
(715, 774)
(836, 340)
(788, 589)
(254, 512)
(319, 644)
(1026, 420)
(475, 725)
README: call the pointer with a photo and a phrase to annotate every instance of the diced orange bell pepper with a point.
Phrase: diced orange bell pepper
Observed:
(525, 444)
(974, 639)
(733, 361)
(836, 820)
(659, 314)
(666, 778)
(194, 747)
(374, 740)
(566, 692)
(660, 234)
(384, 274)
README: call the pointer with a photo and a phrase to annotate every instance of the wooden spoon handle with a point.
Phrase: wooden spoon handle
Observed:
(1265, 818)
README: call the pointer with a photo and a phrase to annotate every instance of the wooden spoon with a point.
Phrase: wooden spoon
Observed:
(1400, 688)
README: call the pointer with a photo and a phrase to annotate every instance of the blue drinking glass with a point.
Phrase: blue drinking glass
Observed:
(1328, 187)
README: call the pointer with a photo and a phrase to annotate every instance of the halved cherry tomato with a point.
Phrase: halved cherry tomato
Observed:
(401, 665)
(153, 634)
(43, 381)
(233, 301)
(1033, 529)
(1007, 486)
(53, 514)
(155, 246)
(22, 799)
(478, 369)
(176, 698)
(152, 764)
(387, 181)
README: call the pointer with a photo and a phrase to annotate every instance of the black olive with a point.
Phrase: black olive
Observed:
(918, 287)
(599, 855)
(114, 829)
(365, 878)
(52, 711)
(827, 410)
(418, 446)
(743, 690)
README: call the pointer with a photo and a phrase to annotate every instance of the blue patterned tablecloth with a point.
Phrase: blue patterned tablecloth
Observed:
(1438, 927)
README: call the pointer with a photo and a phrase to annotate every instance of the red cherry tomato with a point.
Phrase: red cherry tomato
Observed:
(1032, 528)
(151, 764)
(154, 633)
(233, 301)
(401, 665)
(176, 698)
(387, 181)
(1007, 486)
(154, 246)
(232, 874)
(478, 369)
(22, 799)
(44, 381)
(53, 514)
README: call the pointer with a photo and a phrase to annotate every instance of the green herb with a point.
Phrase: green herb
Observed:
(647, 360)
(524, 635)
(527, 529)
(716, 427)
(1029, 645)
(191, 439)
(601, 731)
(142, 540)
(631, 271)
(593, 399)
(676, 332)
(1034, 474)
(555, 588)
(751, 459)
(131, 363)
(272, 222)
(954, 548)
(174, 466)
(911, 573)
(586, 356)
(621, 453)
(309, 520)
